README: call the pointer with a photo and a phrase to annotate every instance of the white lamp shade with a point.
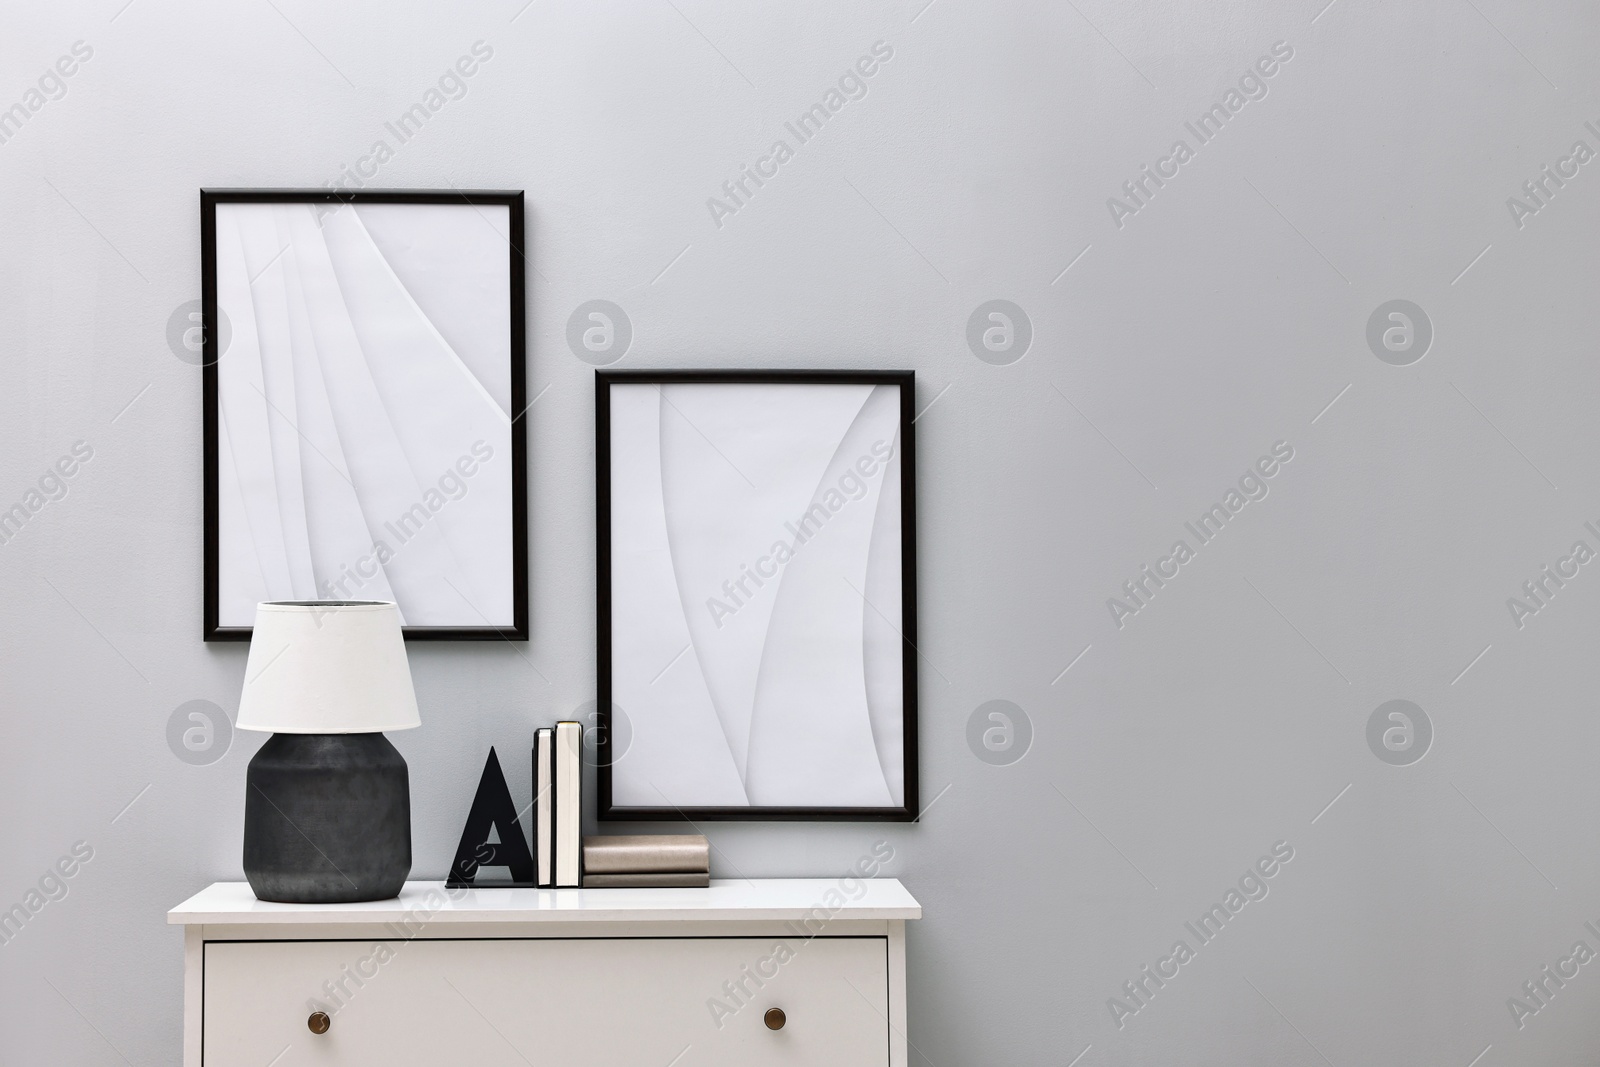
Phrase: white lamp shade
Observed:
(327, 667)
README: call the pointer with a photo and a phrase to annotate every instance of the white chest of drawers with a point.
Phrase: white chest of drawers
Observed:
(568, 978)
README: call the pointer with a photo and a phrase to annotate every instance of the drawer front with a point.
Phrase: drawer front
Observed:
(625, 1002)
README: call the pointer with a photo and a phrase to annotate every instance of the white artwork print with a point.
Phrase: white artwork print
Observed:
(756, 561)
(364, 409)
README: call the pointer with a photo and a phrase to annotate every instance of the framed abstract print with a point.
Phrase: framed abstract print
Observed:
(364, 381)
(757, 595)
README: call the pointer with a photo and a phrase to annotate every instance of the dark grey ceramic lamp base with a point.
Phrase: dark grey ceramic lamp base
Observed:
(327, 819)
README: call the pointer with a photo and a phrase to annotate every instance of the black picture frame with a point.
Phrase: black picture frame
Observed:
(905, 381)
(512, 200)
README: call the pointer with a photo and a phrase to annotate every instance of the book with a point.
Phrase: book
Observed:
(544, 805)
(569, 804)
(658, 880)
(646, 854)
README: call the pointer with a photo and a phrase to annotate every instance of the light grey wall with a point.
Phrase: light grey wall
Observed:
(1168, 354)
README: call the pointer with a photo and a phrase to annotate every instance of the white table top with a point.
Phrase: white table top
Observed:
(765, 899)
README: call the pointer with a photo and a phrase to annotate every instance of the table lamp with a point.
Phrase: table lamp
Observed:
(327, 814)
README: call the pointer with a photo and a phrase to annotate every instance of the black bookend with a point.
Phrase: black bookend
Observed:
(492, 808)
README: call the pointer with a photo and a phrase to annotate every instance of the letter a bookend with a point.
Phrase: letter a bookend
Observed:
(492, 809)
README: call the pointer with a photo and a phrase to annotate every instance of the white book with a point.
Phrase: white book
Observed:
(544, 811)
(569, 804)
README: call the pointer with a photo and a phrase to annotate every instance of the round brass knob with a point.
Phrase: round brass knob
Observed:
(318, 1023)
(774, 1018)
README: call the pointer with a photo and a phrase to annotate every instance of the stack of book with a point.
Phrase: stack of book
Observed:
(558, 800)
(646, 860)
(563, 857)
